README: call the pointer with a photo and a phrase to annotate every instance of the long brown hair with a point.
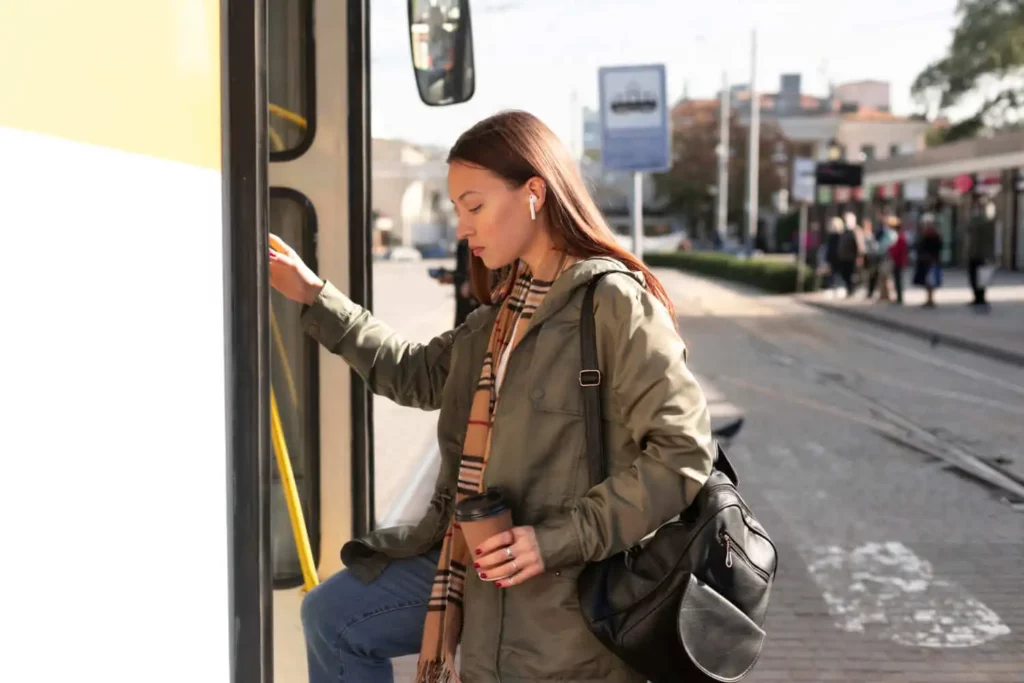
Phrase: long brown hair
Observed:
(518, 146)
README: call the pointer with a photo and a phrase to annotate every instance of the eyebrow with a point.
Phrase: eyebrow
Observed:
(463, 195)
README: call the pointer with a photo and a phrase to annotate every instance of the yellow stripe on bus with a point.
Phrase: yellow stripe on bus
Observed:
(136, 75)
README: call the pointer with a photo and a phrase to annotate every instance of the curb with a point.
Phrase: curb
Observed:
(962, 343)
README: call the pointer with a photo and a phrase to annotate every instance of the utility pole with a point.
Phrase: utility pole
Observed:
(723, 160)
(638, 215)
(755, 141)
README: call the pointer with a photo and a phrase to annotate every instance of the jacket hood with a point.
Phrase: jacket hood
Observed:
(575, 277)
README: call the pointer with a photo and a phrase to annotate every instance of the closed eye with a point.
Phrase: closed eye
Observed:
(476, 209)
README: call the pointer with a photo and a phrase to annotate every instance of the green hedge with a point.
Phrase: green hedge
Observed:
(771, 276)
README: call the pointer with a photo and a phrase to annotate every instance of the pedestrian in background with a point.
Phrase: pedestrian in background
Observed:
(899, 257)
(884, 238)
(851, 252)
(981, 251)
(928, 270)
(887, 240)
(832, 260)
(874, 255)
(465, 303)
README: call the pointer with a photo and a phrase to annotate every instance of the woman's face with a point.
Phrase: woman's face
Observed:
(493, 217)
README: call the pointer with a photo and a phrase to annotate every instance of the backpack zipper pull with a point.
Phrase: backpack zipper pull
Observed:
(728, 550)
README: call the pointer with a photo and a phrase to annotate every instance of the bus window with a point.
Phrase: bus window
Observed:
(290, 77)
(293, 363)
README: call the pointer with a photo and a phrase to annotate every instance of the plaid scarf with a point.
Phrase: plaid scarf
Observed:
(443, 626)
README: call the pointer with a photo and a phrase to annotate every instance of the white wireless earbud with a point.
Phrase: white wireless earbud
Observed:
(533, 207)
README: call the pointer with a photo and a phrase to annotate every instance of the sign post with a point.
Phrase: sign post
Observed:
(801, 249)
(635, 130)
(804, 185)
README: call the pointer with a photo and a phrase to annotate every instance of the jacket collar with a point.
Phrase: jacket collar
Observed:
(576, 277)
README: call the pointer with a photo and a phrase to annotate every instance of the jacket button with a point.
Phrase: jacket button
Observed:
(537, 393)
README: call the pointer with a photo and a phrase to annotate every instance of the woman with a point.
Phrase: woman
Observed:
(507, 384)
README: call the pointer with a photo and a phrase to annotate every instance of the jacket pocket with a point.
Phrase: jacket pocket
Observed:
(553, 376)
(544, 635)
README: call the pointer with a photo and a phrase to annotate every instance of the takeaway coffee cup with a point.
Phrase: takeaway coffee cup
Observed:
(482, 516)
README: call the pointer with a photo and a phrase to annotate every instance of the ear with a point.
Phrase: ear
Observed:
(538, 188)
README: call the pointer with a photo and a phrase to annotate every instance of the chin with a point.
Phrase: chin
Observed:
(494, 263)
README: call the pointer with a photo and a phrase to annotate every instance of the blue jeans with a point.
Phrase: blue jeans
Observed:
(353, 630)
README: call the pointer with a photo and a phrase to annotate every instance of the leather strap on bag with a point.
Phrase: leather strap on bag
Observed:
(590, 381)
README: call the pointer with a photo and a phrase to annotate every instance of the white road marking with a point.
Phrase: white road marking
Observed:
(886, 589)
(784, 457)
(816, 448)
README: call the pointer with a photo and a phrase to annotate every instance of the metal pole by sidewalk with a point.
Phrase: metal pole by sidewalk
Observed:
(755, 141)
(723, 160)
(801, 258)
(638, 215)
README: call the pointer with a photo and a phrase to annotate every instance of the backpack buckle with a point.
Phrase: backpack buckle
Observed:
(590, 378)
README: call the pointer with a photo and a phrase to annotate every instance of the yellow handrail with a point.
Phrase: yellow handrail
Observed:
(293, 393)
(275, 138)
(287, 115)
(291, 496)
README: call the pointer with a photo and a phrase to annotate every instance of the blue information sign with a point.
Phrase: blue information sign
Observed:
(635, 131)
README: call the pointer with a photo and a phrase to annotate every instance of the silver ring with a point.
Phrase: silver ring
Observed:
(510, 580)
(508, 551)
(514, 567)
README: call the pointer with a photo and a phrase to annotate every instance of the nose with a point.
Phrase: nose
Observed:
(462, 230)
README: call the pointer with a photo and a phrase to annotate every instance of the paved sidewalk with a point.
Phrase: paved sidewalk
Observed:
(998, 333)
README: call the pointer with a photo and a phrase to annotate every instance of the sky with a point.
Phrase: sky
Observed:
(543, 55)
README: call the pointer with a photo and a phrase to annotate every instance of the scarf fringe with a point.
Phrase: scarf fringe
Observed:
(435, 671)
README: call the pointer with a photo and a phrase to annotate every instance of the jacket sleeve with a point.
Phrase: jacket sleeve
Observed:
(666, 413)
(407, 373)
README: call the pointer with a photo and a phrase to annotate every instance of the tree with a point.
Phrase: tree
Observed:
(687, 186)
(985, 61)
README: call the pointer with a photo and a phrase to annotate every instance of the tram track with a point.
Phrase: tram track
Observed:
(775, 343)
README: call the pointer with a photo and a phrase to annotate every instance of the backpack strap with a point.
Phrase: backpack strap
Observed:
(590, 382)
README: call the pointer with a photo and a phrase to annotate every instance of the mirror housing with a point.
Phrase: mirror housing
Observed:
(441, 39)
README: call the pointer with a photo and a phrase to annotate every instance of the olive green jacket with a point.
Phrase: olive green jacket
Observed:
(657, 435)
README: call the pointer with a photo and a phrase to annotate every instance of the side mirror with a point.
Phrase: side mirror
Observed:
(441, 38)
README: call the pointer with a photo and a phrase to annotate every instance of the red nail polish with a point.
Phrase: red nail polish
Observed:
(476, 565)
(483, 576)
(479, 552)
(498, 584)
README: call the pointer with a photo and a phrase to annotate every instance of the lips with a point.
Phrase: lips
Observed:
(477, 250)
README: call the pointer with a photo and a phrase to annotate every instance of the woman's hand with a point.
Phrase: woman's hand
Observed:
(509, 558)
(290, 276)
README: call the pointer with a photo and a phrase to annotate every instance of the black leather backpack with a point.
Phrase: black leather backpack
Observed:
(686, 605)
